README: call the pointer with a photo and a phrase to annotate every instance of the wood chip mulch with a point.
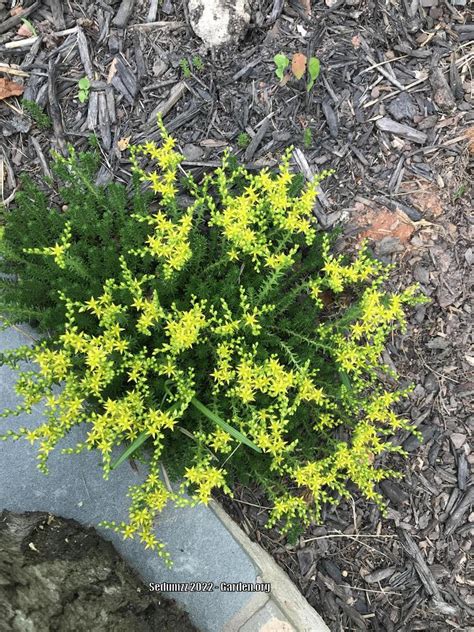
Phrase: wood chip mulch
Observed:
(392, 113)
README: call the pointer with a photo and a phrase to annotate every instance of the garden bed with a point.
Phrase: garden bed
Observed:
(392, 113)
(56, 574)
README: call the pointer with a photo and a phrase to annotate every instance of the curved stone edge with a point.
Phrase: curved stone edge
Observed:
(285, 598)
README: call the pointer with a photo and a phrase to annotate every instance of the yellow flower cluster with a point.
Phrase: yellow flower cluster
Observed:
(206, 478)
(169, 241)
(53, 365)
(184, 327)
(358, 348)
(220, 441)
(261, 221)
(269, 377)
(290, 508)
(224, 323)
(352, 460)
(338, 275)
(224, 370)
(269, 428)
(148, 500)
(158, 420)
(162, 181)
(252, 315)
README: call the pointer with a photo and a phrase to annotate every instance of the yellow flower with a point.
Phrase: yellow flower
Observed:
(128, 531)
(220, 441)
(206, 478)
(149, 539)
(310, 393)
(168, 368)
(157, 420)
(184, 328)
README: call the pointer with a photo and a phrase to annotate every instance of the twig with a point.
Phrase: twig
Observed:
(152, 11)
(19, 329)
(54, 109)
(377, 65)
(166, 478)
(346, 535)
(23, 43)
(257, 139)
(11, 70)
(387, 75)
(244, 502)
(395, 92)
(371, 590)
(172, 25)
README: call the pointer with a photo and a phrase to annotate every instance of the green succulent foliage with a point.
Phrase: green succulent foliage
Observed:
(185, 68)
(198, 63)
(243, 140)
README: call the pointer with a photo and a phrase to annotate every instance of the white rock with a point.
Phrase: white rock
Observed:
(219, 22)
(458, 439)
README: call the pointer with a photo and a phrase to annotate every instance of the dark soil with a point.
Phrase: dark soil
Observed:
(392, 113)
(56, 575)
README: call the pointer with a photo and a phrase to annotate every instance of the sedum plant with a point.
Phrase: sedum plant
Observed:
(207, 327)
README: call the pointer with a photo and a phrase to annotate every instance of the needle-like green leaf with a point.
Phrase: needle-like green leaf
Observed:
(131, 449)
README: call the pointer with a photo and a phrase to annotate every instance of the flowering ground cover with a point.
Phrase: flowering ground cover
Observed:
(391, 114)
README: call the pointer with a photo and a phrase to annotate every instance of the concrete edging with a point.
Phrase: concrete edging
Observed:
(284, 593)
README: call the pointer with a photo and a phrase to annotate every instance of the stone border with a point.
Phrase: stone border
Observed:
(285, 609)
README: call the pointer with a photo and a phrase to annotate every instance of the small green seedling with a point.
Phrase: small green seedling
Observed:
(300, 65)
(314, 68)
(93, 141)
(243, 140)
(27, 24)
(184, 65)
(459, 192)
(281, 62)
(198, 64)
(308, 138)
(84, 88)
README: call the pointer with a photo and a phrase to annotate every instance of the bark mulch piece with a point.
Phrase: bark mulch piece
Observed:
(392, 113)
